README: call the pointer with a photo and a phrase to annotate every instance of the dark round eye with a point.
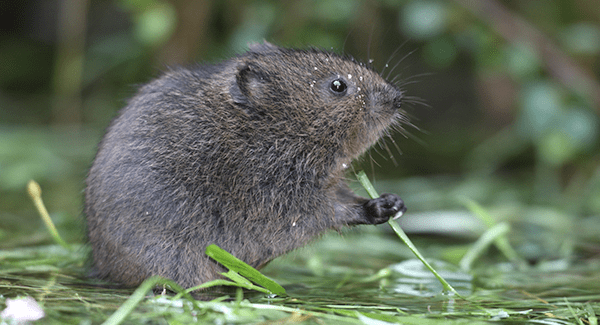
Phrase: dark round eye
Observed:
(338, 86)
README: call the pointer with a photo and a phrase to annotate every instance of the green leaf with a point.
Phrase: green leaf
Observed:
(233, 263)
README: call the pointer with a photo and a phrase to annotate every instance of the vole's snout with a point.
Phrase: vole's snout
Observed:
(396, 94)
(397, 101)
(386, 98)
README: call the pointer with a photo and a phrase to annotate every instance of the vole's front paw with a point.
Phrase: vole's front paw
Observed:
(379, 210)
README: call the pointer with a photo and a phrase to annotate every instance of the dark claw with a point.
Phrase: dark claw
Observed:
(379, 210)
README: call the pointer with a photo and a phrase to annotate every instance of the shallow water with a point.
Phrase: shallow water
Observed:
(363, 276)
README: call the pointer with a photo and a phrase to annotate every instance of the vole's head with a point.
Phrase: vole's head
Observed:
(325, 100)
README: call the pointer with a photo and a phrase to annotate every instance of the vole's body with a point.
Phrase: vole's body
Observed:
(248, 154)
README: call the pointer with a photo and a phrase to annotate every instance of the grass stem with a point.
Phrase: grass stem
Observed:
(364, 180)
(35, 192)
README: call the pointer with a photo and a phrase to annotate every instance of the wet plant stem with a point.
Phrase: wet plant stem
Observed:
(364, 181)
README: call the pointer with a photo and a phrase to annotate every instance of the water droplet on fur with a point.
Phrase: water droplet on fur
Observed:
(344, 166)
(360, 78)
(316, 68)
(294, 224)
(349, 76)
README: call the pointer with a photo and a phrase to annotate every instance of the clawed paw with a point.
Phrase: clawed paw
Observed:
(379, 210)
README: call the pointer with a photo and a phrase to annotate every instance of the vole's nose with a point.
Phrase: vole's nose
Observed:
(398, 96)
(387, 96)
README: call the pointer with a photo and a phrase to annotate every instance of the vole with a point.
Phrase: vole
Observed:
(249, 154)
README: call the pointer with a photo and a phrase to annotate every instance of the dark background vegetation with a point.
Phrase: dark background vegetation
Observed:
(510, 88)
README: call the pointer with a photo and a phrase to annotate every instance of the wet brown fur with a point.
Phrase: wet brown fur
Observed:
(248, 154)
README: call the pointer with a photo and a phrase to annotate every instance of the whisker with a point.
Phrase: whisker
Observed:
(372, 163)
(391, 155)
(369, 44)
(410, 80)
(377, 151)
(415, 101)
(392, 56)
(398, 63)
(394, 142)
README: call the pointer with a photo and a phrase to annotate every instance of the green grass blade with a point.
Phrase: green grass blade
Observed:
(501, 242)
(573, 313)
(138, 295)
(481, 244)
(233, 263)
(213, 283)
(592, 318)
(243, 282)
(238, 281)
(364, 181)
(35, 192)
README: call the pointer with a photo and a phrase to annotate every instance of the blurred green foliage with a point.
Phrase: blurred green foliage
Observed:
(502, 100)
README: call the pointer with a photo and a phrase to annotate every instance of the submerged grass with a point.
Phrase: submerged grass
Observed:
(362, 277)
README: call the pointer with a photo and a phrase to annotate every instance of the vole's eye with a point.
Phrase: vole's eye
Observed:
(338, 86)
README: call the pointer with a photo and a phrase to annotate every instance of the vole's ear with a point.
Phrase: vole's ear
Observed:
(263, 48)
(248, 85)
(237, 88)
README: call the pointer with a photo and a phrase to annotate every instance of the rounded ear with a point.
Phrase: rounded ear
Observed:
(248, 85)
(239, 90)
(263, 48)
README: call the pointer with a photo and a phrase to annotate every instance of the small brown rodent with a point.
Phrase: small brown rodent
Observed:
(248, 154)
